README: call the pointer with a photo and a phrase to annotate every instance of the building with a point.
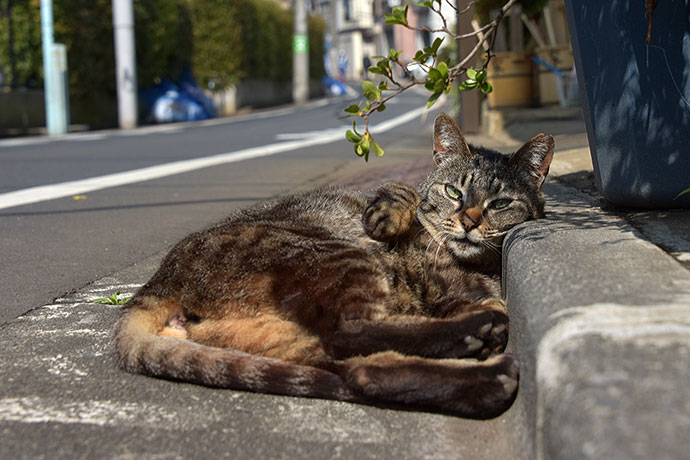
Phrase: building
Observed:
(360, 32)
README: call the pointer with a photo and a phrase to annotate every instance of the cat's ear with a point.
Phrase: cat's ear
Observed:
(448, 139)
(535, 157)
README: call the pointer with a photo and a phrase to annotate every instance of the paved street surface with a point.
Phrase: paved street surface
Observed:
(600, 317)
(61, 394)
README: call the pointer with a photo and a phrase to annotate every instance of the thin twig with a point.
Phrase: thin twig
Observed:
(483, 34)
(378, 104)
(469, 7)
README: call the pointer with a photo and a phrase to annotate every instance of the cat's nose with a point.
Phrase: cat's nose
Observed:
(470, 218)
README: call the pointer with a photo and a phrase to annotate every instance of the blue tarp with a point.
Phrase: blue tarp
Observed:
(169, 102)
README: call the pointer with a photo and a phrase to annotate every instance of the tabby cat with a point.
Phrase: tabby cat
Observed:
(388, 297)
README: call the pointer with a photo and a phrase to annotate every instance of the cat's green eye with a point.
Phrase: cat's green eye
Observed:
(453, 192)
(501, 204)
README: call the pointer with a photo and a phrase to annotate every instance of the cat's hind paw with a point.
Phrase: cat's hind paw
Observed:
(489, 337)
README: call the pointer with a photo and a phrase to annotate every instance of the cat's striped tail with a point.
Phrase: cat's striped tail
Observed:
(142, 350)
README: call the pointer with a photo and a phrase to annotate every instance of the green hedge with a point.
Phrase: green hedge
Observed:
(216, 41)
(27, 42)
(267, 41)
(222, 40)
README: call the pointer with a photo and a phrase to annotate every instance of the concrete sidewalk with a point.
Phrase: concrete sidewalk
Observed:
(600, 322)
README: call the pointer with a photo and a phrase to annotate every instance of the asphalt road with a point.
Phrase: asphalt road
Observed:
(52, 247)
(62, 394)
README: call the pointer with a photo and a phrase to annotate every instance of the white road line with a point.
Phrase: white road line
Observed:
(78, 187)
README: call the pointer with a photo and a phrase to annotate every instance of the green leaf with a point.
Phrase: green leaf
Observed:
(432, 100)
(481, 76)
(398, 16)
(370, 90)
(381, 108)
(353, 108)
(352, 137)
(443, 69)
(436, 45)
(471, 74)
(358, 150)
(375, 70)
(687, 190)
(434, 74)
(486, 88)
(394, 55)
(467, 85)
(362, 147)
(420, 56)
(364, 143)
(376, 148)
(390, 19)
(428, 3)
(112, 300)
(355, 129)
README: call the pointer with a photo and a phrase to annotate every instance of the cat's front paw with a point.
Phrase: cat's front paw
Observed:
(391, 214)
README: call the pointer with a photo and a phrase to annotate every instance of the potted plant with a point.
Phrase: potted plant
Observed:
(635, 97)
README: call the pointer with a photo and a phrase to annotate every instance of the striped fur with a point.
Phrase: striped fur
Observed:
(389, 296)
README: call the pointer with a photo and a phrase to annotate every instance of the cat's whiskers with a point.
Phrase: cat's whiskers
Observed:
(493, 247)
(443, 234)
(426, 251)
(496, 234)
(443, 242)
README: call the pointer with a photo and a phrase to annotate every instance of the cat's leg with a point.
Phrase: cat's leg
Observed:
(479, 389)
(451, 307)
(472, 334)
(265, 335)
(391, 214)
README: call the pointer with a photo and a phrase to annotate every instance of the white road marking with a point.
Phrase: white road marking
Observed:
(309, 134)
(83, 186)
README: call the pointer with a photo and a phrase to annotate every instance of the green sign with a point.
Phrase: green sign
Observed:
(300, 44)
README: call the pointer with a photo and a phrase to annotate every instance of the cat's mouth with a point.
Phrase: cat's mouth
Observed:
(464, 244)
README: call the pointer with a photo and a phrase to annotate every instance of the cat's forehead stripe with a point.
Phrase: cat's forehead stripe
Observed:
(496, 184)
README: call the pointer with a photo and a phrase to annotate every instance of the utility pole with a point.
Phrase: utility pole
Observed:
(125, 63)
(54, 79)
(10, 39)
(334, 39)
(300, 54)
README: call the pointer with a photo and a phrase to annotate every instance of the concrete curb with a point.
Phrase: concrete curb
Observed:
(600, 321)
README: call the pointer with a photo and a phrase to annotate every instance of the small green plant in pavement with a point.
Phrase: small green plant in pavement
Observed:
(687, 190)
(114, 299)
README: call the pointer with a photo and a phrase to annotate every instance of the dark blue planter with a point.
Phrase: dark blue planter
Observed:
(636, 98)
